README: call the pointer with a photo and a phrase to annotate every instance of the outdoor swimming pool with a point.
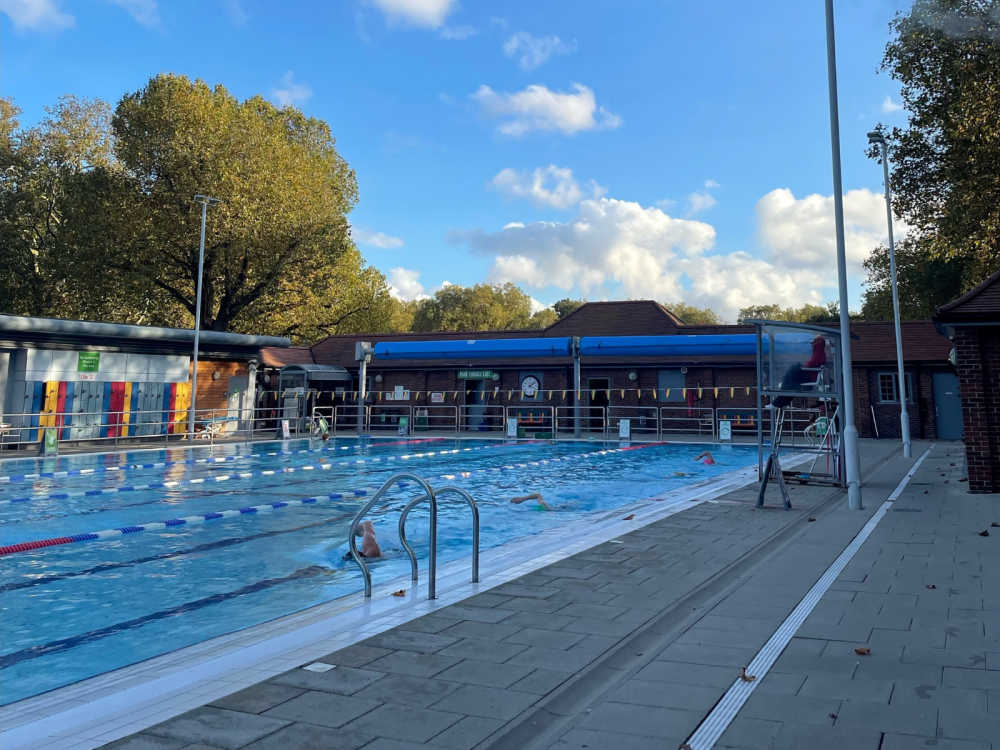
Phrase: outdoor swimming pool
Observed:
(81, 608)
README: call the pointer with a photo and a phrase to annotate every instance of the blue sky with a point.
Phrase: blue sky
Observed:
(666, 150)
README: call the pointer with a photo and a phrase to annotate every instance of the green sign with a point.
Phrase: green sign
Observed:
(51, 442)
(88, 362)
(475, 374)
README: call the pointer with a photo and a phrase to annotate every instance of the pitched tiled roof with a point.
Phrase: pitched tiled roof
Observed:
(637, 317)
(980, 304)
(293, 355)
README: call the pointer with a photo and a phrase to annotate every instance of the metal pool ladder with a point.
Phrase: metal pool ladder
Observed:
(431, 496)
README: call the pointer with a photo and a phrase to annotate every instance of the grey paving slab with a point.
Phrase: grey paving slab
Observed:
(980, 679)
(907, 693)
(796, 736)
(912, 742)
(311, 737)
(666, 695)
(405, 640)
(483, 630)
(403, 690)
(968, 725)
(147, 742)
(218, 727)
(325, 709)
(404, 723)
(749, 734)
(542, 681)
(340, 680)
(490, 651)
(891, 718)
(467, 733)
(471, 672)
(559, 639)
(258, 698)
(490, 703)
(590, 739)
(628, 719)
(799, 708)
(415, 664)
(825, 686)
(355, 656)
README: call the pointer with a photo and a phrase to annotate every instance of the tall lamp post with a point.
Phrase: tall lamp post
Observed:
(877, 139)
(851, 455)
(205, 202)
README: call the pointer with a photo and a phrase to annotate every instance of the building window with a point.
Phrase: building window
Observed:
(888, 388)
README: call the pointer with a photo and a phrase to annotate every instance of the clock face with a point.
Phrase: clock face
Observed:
(530, 386)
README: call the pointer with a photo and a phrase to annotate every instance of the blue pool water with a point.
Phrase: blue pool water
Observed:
(74, 611)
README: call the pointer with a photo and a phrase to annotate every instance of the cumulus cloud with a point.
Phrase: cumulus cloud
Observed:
(234, 9)
(616, 248)
(144, 12)
(698, 201)
(537, 108)
(532, 51)
(546, 187)
(457, 32)
(290, 93)
(428, 14)
(889, 106)
(376, 239)
(712, 184)
(37, 15)
(404, 284)
(799, 233)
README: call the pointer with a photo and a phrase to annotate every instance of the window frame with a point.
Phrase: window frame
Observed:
(894, 380)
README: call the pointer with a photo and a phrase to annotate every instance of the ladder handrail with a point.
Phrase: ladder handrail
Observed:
(432, 565)
(475, 529)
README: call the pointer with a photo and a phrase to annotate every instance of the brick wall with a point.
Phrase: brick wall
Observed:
(212, 393)
(979, 383)
(887, 414)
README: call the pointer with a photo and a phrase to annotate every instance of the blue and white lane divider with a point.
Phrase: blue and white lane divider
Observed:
(267, 507)
(210, 460)
(169, 485)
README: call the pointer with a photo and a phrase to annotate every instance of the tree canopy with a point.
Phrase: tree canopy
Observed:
(693, 315)
(946, 162)
(482, 307)
(830, 313)
(564, 307)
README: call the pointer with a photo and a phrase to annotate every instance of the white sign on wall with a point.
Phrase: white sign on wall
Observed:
(624, 429)
(725, 430)
(512, 427)
(285, 432)
(437, 398)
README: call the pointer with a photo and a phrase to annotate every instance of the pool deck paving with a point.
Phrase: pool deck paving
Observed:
(635, 640)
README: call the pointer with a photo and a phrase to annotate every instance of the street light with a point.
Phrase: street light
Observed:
(851, 455)
(205, 202)
(877, 139)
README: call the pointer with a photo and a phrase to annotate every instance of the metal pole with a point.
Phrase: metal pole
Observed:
(904, 416)
(362, 353)
(850, 430)
(205, 201)
(576, 385)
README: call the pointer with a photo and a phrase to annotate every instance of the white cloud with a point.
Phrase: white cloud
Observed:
(404, 284)
(889, 106)
(712, 184)
(622, 249)
(376, 239)
(537, 108)
(699, 201)
(290, 92)
(144, 12)
(457, 32)
(37, 15)
(546, 187)
(537, 306)
(428, 14)
(666, 203)
(532, 51)
(235, 12)
(799, 233)
(501, 22)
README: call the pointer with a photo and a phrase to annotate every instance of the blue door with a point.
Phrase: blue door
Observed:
(947, 407)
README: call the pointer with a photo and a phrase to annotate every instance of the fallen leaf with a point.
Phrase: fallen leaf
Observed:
(926, 492)
(684, 746)
(963, 480)
(931, 586)
(746, 677)
(629, 517)
(863, 651)
(951, 464)
(995, 525)
(811, 520)
(984, 532)
(833, 716)
(401, 592)
(946, 481)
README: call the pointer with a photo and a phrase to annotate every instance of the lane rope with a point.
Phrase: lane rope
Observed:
(210, 460)
(267, 507)
(230, 477)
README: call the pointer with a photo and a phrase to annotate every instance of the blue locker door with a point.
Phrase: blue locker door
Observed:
(105, 408)
(37, 397)
(68, 408)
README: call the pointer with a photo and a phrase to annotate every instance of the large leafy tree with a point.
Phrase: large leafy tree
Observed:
(830, 313)
(483, 307)
(693, 315)
(946, 162)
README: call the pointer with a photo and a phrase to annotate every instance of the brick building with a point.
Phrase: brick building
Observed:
(973, 323)
(694, 383)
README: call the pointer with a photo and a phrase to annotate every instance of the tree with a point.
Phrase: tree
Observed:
(923, 282)
(693, 315)
(805, 314)
(564, 307)
(38, 166)
(543, 318)
(946, 162)
(483, 307)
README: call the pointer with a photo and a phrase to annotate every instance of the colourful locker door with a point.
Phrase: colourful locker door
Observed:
(26, 400)
(105, 408)
(79, 407)
(95, 396)
(37, 402)
(127, 408)
(117, 406)
(183, 405)
(68, 409)
(165, 420)
(173, 406)
(60, 405)
(51, 404)
(157, 415)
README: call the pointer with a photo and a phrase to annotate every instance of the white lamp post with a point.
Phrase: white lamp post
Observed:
(205, 202)
(851, 454)
(876, 138)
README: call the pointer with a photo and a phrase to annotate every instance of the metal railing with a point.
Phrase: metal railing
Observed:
(643, 420)
(345, 417)
(475, 529)
(592, 421)
(687, 420)
(539, 419)
(441, 418)
(386, 417)
(481, 418)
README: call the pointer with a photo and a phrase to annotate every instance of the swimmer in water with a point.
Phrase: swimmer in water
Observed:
(369, 547)
(709, 459)
(542, 505)
(326, 436)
